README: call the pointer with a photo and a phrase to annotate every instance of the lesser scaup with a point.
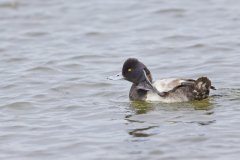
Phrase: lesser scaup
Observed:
(164, 90)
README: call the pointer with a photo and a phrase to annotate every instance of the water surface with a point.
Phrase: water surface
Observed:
(57, 104)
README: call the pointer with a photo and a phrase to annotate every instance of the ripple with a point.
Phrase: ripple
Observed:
(92, 34)
(197, 46)
(180, 38)
(140, 132)
(17, 59)
(18, 105)
(9, 86)
(87, 56)
(170, 11)
(71, 67)
(42, 69)
(36, 34)
(12, 5)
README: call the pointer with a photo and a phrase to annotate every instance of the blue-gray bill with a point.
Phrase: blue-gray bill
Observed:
(116, 77)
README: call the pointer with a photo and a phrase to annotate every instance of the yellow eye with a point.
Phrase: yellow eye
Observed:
(129, 69)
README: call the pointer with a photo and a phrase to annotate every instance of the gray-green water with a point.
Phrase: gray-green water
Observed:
(57, 104)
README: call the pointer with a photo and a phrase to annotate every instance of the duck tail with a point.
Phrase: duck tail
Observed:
(202, 88)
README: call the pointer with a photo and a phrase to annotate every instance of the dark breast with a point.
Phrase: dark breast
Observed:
(137, 94)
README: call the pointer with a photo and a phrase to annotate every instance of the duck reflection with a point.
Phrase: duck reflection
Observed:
(141, 132)
(140, 107)
(202, 105)
(142, 125)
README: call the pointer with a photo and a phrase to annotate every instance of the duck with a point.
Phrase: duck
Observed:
(168, 90)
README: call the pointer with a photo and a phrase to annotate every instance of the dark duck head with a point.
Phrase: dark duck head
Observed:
(137, 73)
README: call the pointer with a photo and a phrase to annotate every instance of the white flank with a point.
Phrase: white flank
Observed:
(165, 85)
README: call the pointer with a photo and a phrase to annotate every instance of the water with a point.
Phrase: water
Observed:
(57, 104)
